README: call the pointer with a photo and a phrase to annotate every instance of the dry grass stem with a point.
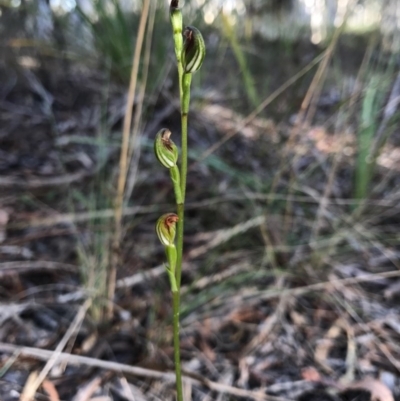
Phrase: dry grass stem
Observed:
(25, 266)
(392, 201)
(225, 235)
(56, 354)
(45, 355)
(134, 148)
(123, 161)
(43, 182)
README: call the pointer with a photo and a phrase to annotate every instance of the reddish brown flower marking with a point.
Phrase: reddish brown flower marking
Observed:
(189, 41)
(165, 139)
(170, 220)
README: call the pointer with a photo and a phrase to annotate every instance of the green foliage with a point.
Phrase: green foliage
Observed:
(114, 34)
(248, 81)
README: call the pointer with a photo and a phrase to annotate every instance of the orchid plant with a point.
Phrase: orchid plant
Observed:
(190, 51)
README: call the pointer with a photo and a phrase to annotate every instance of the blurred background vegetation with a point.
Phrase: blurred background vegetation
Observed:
(294, 148)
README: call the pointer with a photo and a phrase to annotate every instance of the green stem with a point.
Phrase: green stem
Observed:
(180, 200)
(180, 77)
(179, 243)
(177, 356)
(172, 280)
(170, 251)
(176, 301)
(178, 45)
(185, 100)
(180, 192)
(176, 181)
(185, 81)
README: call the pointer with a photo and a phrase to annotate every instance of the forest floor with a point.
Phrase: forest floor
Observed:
(291, 287)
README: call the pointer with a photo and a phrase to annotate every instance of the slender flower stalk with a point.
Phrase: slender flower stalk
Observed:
(177, 23)
(193, 54)
(189, 57)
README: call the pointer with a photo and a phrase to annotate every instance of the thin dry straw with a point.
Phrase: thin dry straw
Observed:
(123, 161)
(45, 355)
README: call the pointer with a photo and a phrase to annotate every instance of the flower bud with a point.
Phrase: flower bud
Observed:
(194, 50)
(166, 229)
(165, 150)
